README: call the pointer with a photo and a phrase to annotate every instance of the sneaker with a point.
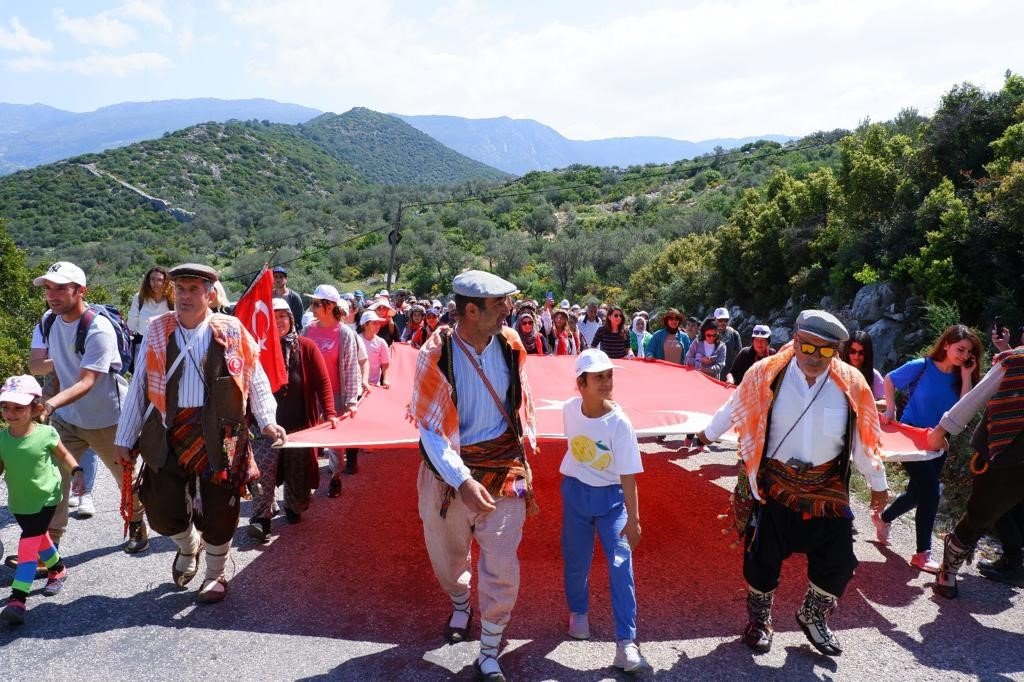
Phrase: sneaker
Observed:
(627, 656)
(923, 562)
(882, 529)
(579, 626)
(72, 501)
(55, 582)
(86, 507)
(292, 516)
(14, 612)
(334, 488)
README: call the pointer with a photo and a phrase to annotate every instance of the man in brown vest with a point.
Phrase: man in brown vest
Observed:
(185, 413)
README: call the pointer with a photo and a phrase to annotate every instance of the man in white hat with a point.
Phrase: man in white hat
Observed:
(759, 349)
(821, 414)
(86, 410)
(729, 336)
(474, 482)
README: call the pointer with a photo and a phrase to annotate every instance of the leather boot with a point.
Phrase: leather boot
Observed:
(813, 620)
(953, 557)
(759, 631)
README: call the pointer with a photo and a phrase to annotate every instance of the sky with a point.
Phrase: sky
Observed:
(588, 68)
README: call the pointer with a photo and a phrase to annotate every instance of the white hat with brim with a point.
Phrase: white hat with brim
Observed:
(61, 272)
(326, 292)
(369, 316)
(20, 390)
(721, 314)
(281, 304)
(593, 360)
(761, 331)
(481, 284)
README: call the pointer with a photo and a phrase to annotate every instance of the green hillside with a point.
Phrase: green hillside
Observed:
(935, 205)
(385, 149)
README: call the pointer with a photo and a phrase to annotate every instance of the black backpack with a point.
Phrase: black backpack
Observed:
(121, 332)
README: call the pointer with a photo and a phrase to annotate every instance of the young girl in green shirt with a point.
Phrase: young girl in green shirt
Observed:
(27, 453)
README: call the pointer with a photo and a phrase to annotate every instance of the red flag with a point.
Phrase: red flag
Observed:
(256, 311)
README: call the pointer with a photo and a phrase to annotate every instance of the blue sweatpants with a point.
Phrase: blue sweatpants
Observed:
(586, 509)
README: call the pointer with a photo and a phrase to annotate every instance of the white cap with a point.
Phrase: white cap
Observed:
(20, 390)
(761, 331)
(62, 272)
(381, 304)
(721, 314)
(384, 292)
(564, 305)
(369, 316)
(281, 304)
(593, 360)
(326, 292)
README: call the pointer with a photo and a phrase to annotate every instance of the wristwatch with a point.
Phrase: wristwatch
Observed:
(75, 469)
(48, 406)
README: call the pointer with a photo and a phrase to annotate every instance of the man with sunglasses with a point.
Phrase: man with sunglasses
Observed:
(796, 459)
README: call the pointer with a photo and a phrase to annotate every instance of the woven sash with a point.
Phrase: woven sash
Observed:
(1005, 411)
(186, 440)
(497, 465)
(818, 492)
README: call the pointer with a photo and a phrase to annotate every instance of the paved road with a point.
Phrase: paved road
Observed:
(348, 594)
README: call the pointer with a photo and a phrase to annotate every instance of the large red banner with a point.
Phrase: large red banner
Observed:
(255, 309)
(660, 398)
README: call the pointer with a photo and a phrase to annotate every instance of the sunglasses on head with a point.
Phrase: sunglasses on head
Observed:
(823, 351)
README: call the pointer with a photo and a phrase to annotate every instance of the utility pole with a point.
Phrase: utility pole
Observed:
(394, 237)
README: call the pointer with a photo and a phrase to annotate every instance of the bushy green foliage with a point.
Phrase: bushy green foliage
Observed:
(19, 308)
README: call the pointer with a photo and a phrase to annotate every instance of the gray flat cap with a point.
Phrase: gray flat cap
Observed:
(196, 270)
(480, 284)
(822, 324)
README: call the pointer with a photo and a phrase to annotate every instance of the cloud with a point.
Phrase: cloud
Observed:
(19, 39)
(146, 12)
(118, 66)
(101, 30)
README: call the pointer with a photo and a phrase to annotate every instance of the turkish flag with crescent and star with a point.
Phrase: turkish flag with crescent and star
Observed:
(256, 311)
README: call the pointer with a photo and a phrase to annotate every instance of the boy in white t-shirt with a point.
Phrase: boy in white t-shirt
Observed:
(599, 495)
(376, 349)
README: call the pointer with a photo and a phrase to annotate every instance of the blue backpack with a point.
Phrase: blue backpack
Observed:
(121, 332)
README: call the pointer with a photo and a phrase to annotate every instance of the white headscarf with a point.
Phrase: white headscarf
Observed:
(640, 329)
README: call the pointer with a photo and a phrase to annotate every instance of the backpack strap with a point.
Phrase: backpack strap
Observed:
(83, 329)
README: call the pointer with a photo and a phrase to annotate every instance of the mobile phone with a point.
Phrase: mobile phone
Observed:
(969, 362)
(997, 326)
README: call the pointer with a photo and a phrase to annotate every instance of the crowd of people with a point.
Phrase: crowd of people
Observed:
(200, 411)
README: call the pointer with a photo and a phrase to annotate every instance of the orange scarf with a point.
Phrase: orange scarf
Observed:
(241, 355)
(750, 418)
(431, 406)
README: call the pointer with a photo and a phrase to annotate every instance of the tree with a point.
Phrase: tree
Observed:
(541, 221)
(566, 255)
(19, 311)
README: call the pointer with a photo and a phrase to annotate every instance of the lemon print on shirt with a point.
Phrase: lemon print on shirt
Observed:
(586, 451)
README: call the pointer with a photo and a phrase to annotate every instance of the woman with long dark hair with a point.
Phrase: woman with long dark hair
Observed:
(933, 384)
(859, 352)
(706, 352)
(613, 336)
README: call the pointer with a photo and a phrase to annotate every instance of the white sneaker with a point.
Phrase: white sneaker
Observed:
(923, 561)
(72, 500)
(627, 656)
(86, 507)
(579, 626)
(882, 529)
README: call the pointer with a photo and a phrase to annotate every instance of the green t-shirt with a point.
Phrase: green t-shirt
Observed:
(33, 480)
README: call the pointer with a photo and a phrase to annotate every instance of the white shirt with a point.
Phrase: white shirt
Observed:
(587, 329)
(600, 449)
(191, 390)
(139, 316)
(479, 416)
(818, 437)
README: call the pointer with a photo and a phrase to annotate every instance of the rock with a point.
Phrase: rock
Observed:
(781, 335)
(825, 303)
(871, 301)
(885, 336)
(896, 317)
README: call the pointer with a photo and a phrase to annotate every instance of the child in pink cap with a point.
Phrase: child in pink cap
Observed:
(28, 450)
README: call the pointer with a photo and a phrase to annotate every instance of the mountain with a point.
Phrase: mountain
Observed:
(35, 134)
(386, 150)
(522, 145)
